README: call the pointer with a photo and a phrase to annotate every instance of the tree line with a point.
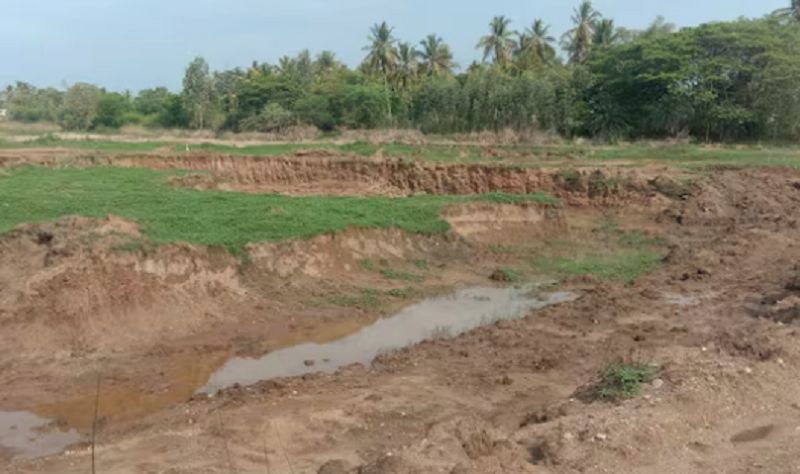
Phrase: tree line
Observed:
(718, 81)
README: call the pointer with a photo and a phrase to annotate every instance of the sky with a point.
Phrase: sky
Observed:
(136, 44)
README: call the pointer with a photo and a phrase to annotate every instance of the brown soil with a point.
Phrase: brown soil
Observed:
(513, 397)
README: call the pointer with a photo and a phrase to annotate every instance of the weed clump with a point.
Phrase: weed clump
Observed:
(622, 380)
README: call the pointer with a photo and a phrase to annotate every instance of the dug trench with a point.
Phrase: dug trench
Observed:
(87, 299)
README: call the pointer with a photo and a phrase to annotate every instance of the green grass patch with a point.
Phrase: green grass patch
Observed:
(229, 219)
(368, 298)
(620, 380)
(392, 274)
(50, 141)
(624, 266)
(612, 254)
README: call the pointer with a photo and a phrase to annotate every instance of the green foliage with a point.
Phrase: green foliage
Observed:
(79, 109)
(619, 380)
(727, 81)
(273, 118)
(111, 110)
(169, 214)
(736, 87)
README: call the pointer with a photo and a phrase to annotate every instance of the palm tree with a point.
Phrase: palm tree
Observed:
(382, 54)
(605, 33)
(436, 56)
(792, 11)
(325, 62)
(407, 68)
(578, 40)
(499, 43)
(535, 43)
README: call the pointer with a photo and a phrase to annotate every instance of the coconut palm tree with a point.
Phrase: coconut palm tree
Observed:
(605, 33)
(326, 62)
(436, 56)
(407, 67)
(382, 50)
(791, 12)
(499, 43)
(578, 40)
(535, 43)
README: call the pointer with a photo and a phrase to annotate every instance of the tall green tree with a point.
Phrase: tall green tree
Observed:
(382, 50)
(436, 56)
(578, 40)
(198, 91)
(499, 44)
(605, 33)
(79, 108)
(325, 63)
(536, 44)
(791, 12)
(406, 67)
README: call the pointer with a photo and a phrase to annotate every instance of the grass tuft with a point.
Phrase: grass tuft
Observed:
(620, 380)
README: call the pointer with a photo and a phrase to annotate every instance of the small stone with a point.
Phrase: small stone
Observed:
(308, 363)
(601, 436)
(568, 436)
(658, 383)
(748, 370)
(780, 361)
(704, 349)
(294, 392)
(506, 380)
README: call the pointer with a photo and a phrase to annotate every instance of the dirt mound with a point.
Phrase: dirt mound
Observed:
(742, 197)
(74, 284)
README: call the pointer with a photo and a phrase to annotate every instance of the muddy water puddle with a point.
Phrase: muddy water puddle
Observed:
(445, 316)
(24, 435)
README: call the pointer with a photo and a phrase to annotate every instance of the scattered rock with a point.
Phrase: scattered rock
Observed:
(657, 383)
(506, 380)
(309, 363)
(601, 436)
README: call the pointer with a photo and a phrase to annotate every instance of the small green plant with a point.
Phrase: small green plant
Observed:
(368, 265)
(401, 293)
(507, 274)
(620, 380)
(421, 264)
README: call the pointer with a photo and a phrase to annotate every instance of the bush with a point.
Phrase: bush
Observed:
(273, 118)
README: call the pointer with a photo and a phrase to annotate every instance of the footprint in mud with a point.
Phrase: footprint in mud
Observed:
(752, 435)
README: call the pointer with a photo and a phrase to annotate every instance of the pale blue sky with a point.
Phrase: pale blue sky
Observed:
(133, 44)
